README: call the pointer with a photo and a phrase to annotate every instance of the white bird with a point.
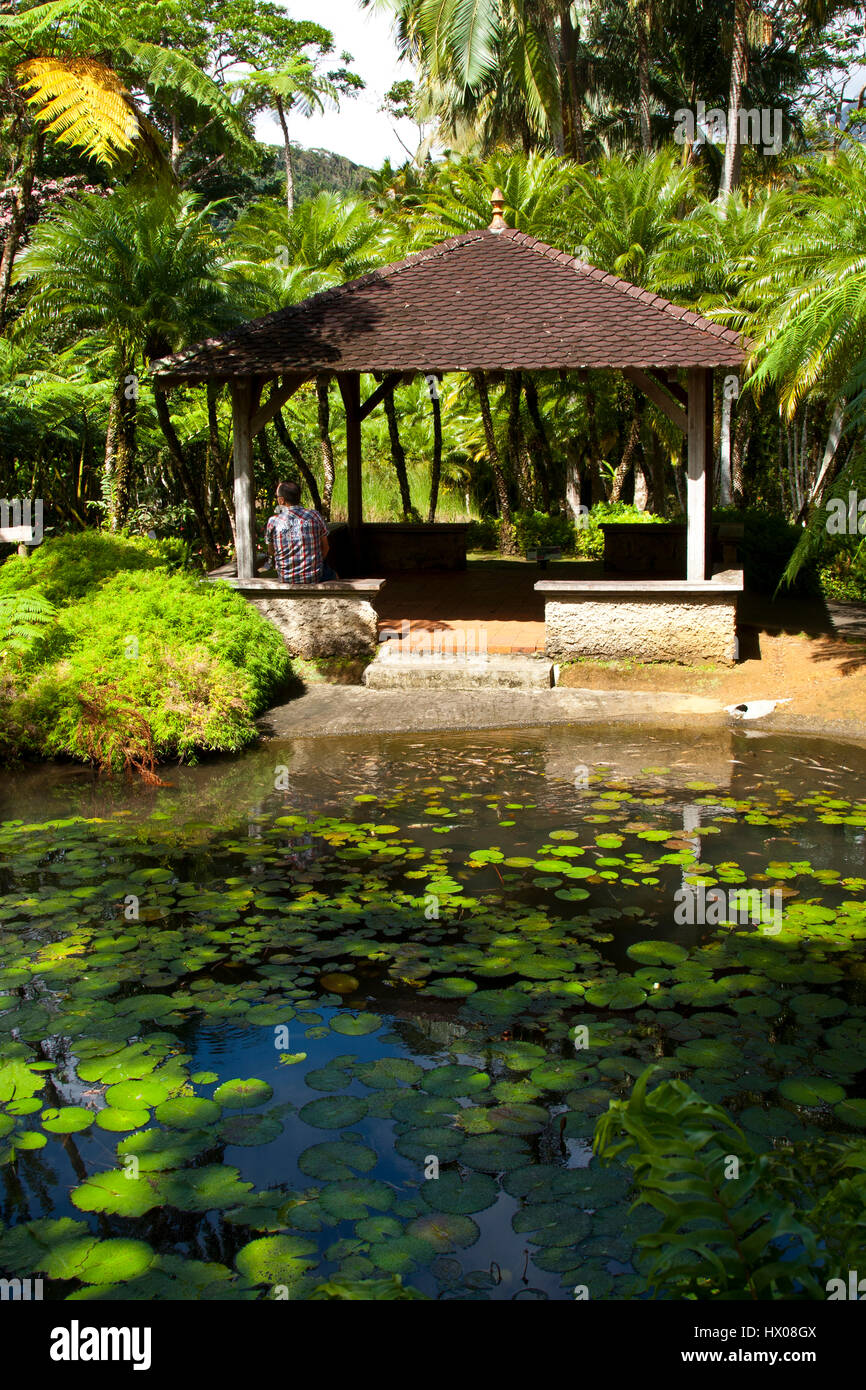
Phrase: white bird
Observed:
(755, 709)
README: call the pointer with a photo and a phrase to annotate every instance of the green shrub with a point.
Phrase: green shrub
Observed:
(483, 535)
(766, 547)
(779, 1224)
(843, 575)
(538, 529)
(589, 536)
(65, 568)
(150, 666)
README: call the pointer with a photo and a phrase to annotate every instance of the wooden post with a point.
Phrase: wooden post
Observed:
(245, 488)
(709, 470)
(698, 467)
(350, 390)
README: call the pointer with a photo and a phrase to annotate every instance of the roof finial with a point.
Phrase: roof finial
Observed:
(497, 201)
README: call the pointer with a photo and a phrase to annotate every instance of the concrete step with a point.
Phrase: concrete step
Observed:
(410, 671)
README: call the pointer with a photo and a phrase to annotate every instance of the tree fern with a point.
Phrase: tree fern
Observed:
(24, 620)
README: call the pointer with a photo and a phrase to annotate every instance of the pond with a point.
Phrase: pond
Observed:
(351, 1008)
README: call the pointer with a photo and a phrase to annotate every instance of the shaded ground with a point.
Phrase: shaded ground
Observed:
(810, 654)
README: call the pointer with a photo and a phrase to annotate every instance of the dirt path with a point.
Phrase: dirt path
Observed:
(814, 657)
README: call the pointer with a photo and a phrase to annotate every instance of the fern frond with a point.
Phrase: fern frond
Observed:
(83, 103)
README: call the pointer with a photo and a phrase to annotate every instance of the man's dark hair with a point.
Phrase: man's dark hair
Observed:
(289, 493)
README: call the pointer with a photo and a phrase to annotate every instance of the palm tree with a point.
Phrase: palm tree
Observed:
(491, 64)
(122, 280)
(536, 190)
(296, 86)
(804, 302)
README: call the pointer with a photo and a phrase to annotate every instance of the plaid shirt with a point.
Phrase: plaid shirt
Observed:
(297, 534)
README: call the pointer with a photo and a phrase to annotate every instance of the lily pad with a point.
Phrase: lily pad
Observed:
(242, 1095)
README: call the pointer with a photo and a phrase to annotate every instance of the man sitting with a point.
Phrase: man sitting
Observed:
(297, 539)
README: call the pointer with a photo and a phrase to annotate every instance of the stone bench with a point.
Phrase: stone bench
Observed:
(678, 620)
(337, 618)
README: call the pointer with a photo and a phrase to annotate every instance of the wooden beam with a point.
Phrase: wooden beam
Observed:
(671, 385)
(709, 471)
(276, 400)
(376, 397)
(350, 390)
(244, 480)
(698, 467)
(659, 396)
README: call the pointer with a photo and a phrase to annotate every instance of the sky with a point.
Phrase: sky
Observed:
(358, 130)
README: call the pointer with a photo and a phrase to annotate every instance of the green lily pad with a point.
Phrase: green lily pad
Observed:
(136, 1095)
(355, 1025)
(187, 1112)
(621, 993)
(657, 952)
(352, 1200)
(444, 1231)
(118, 1121)
(460, 1197)
(249, 1130)
(336, 1161)
(811, 1090)
(72, 1119)
(242, 1095)
(333, 1112)
(276, 1259)
(455, 1079)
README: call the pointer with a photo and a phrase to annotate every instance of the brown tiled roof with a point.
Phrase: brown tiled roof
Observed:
(486, 301)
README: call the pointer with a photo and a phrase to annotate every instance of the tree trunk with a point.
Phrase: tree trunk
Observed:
(643, 79)
(742, 433)
(287, 157)
(572, 115)
(739, 74)
(398, 457)
(507, 543)
(629, 456)
(658, 504)
(124, 458)
(111, 445)
(522, 477)
(542, 458)
(175, 449)
(436, 466)
(298, 459)
(324, 419)
(830, 449)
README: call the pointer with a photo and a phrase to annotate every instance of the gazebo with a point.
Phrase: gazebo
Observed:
(495, 300)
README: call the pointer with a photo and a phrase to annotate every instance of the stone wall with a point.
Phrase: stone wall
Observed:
(324, 626)
(691, 629)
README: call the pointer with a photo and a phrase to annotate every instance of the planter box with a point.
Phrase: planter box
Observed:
(388, 546)
(657, 548)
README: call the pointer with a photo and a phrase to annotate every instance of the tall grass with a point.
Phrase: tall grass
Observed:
(381, 495)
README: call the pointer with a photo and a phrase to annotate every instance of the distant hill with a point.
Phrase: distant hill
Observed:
(322, 170)
(241, 182)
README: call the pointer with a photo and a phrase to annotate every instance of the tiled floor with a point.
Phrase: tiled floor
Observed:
(490, 606)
